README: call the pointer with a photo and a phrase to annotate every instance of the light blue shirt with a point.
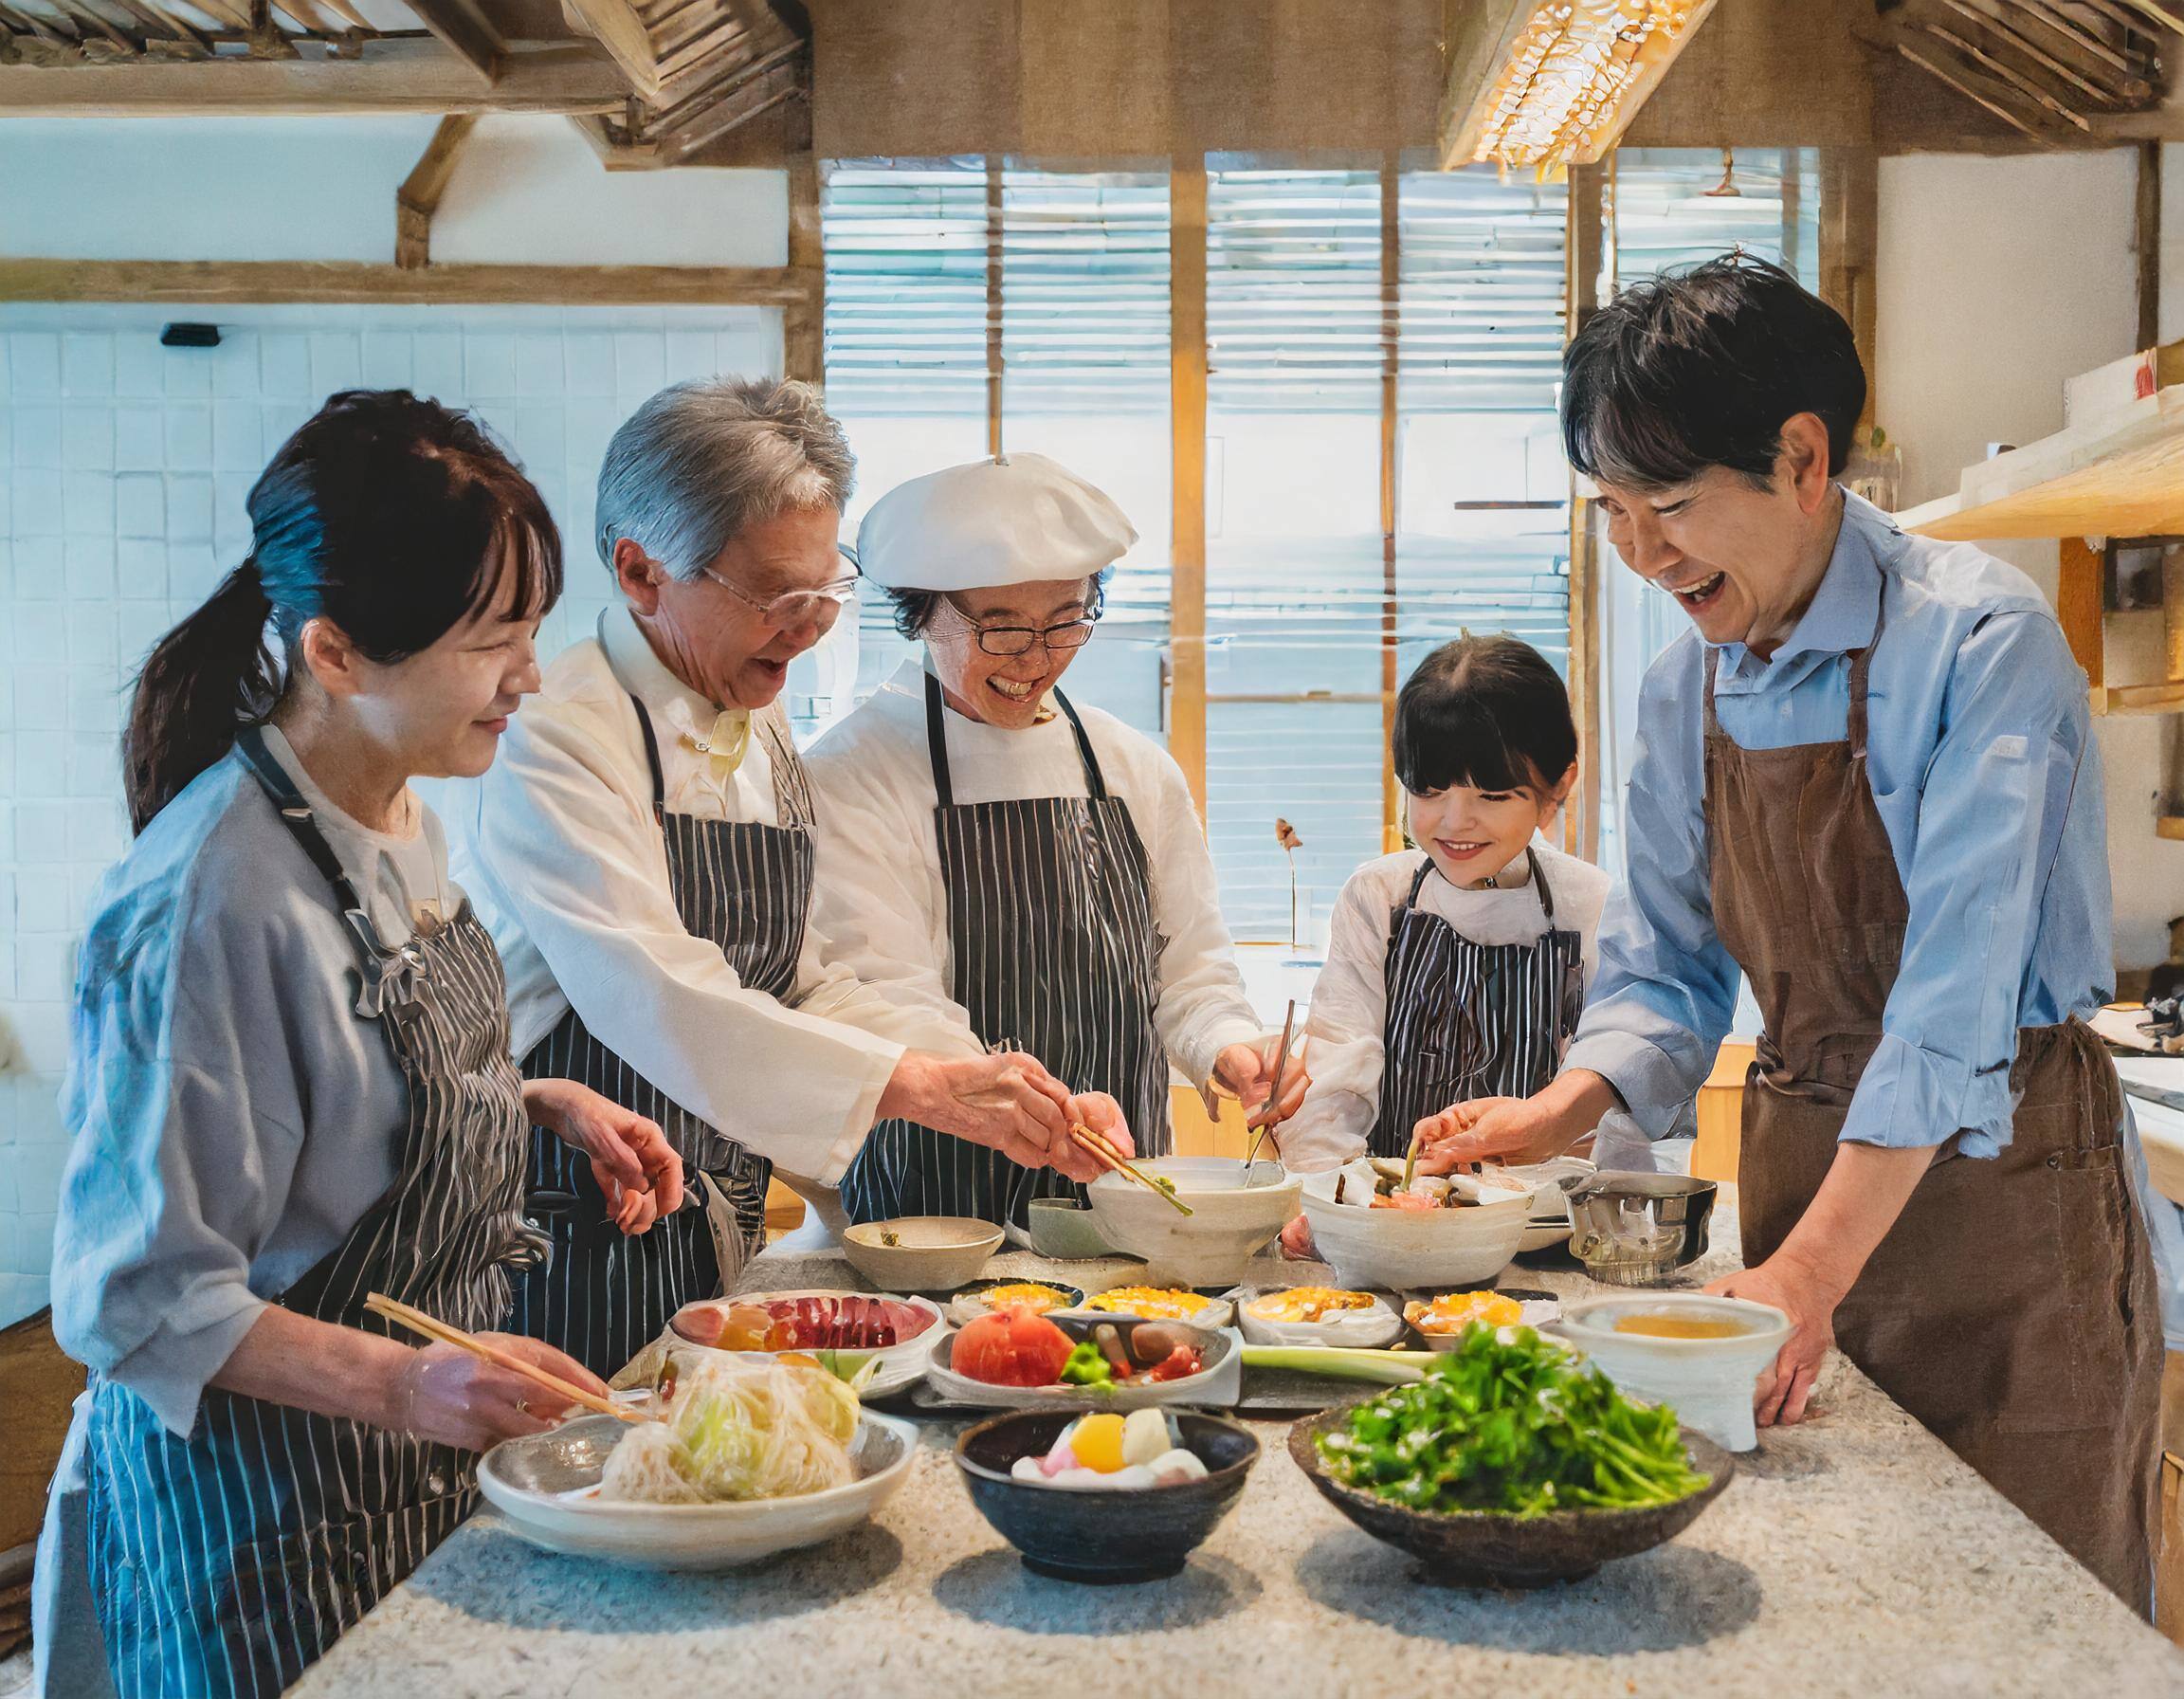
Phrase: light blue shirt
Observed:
(1987, 782)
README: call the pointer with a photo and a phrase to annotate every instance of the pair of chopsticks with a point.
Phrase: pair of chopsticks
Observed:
(1274, 1092)
(1086, 1139)
(440, 1332)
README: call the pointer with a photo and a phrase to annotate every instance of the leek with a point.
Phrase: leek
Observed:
(1386, 1368)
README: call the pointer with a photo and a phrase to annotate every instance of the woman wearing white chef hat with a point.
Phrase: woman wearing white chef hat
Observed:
(989, 851)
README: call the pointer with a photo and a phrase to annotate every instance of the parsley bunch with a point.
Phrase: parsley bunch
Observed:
(1516, 1426)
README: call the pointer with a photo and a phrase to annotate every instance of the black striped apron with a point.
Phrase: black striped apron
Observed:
(226, 1563)
(744, 886)
(1052, 949)
(1469, 1020)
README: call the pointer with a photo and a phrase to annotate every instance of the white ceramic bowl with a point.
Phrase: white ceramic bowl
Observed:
(1415, 1249)
(1214, 1244)
(931, 1253)
(543, 1484)
(1708, 1381)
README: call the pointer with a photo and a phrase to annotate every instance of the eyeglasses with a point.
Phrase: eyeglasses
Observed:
(1007, 641)
(794, 610)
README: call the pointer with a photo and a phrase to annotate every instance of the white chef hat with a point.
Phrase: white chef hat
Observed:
(1014, 520)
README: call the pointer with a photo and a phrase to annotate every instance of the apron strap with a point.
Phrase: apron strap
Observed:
(386, 974)
(1713, 662)
(792, 792)
(936, 739)
(652, 760)
(1539, 879)
(1094, 782)
(1418, 883)
(1861, 669)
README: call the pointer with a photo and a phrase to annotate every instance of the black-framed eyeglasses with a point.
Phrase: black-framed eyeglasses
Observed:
(794, 610)
(1007, 641)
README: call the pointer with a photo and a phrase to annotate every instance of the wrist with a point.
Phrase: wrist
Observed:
(546, 1104)
(1824, 1284)
(905, 1095)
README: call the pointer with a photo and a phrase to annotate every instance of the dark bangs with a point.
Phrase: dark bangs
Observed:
(1702, 368)
(1487, 713)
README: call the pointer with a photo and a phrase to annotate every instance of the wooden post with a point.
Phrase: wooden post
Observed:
(1186, 402)
(1849, 244)
(804, 324)
(995, 352)
(1584, 252)
(418, 198)
(2147, 238)
(1391, 607)
(2078, 606)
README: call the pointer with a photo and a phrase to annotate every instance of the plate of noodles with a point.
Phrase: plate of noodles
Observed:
(746, 1458)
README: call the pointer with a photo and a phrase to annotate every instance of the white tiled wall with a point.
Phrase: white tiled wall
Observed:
(123, 468)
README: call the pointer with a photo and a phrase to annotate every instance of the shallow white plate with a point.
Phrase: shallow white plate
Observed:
(545, 1484)
(1217, 1385)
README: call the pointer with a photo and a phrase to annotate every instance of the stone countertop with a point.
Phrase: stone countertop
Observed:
(1852, 1554)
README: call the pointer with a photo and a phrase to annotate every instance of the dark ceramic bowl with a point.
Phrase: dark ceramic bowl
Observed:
(1075, 1535)
(1483, 1548)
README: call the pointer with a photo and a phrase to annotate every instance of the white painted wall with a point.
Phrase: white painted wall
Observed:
(123, 465)
(1999, 279)
(526, 190)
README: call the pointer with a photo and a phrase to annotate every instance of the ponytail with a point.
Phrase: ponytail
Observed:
(394, 517)
(209, 677)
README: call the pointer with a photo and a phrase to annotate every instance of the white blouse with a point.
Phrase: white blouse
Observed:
(881, 890)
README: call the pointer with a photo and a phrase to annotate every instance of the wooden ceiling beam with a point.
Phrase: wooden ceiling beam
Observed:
(418, 198)
(751, 98)
(618, 29)
(466, 32)
(224, 282)
(386, 77)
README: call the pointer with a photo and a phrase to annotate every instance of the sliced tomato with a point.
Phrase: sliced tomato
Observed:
(1012, 1349)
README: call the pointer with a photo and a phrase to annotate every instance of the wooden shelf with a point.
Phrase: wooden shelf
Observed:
(2121, 474)
(2139, 698)
(2168, 826)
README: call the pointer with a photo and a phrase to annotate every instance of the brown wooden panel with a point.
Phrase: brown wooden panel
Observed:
(1186, 554)
(249, 282)
(1766, 73)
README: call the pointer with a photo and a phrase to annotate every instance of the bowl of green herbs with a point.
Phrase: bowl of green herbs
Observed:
(1513, 1463)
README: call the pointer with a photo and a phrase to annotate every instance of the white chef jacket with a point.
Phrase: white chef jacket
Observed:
(1350, 1001)
(880, 892)
(558, 846)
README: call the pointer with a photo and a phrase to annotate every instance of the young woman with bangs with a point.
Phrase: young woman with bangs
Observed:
(290, 1085)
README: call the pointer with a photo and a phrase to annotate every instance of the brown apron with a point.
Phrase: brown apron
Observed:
(2012, 1306)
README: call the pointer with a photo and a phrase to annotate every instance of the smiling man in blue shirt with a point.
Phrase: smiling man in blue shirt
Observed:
(1866, 779)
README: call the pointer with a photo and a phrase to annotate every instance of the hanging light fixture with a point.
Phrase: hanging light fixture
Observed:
(1565, 78)
(1727, 189)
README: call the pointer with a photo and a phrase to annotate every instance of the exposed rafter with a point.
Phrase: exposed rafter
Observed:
(382, 77)
(221, 283)
(465, 31)
(2048, 71)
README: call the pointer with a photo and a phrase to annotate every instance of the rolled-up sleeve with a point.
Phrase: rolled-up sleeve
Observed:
(178, 1170)
(578, 863)
(1667, 989)
(1991, 803)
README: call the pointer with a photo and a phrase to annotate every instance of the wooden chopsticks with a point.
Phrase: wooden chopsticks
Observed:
(1089, 1140)
(1273, 1091)
(435, 1330)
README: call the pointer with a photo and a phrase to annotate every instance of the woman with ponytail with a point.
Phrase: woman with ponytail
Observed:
(290, 1085)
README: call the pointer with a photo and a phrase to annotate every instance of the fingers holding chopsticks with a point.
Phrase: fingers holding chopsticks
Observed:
(447, 1394)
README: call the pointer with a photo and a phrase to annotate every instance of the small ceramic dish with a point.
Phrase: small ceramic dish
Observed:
(1407, 1250)
(1511, 1310)
(546, 1486)
(965, 1308)
(1065, 1231)
(1708, 1381)
(1102, 1537)
(1216, 1311)
(921, 1254)
(1366, 1327)
(1486, 1548)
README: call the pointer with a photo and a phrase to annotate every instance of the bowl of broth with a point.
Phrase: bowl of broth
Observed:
(1699, 1354)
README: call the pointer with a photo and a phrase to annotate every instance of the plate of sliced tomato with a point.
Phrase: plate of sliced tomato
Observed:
(1016, 1360)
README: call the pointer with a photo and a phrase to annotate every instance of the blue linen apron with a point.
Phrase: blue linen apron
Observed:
(745, 887)
(228, 1562)
(1053, 950)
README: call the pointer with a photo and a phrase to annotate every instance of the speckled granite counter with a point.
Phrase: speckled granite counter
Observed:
(1852, 1556)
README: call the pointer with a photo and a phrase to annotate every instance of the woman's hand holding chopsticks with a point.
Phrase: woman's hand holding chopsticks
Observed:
(446, 1393)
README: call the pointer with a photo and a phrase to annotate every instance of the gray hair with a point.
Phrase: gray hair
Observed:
(704, 459)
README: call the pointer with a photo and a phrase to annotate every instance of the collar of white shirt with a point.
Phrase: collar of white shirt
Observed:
(699, 781)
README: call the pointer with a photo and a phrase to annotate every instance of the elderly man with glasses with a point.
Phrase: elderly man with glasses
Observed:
(1029, 871)
(643, 852)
